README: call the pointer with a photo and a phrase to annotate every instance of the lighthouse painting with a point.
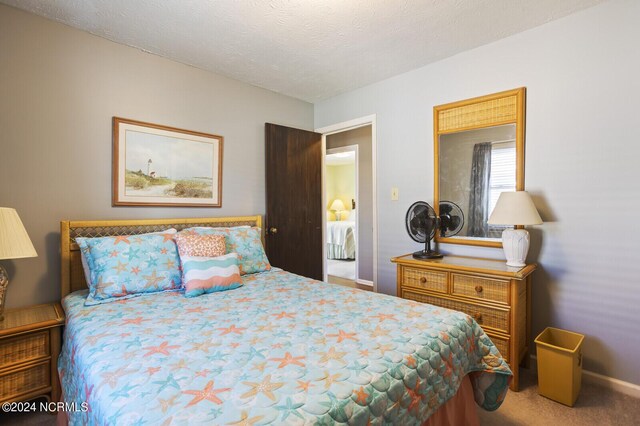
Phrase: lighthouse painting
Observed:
(156, 165)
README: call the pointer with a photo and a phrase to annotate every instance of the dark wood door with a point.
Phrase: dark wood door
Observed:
(294, 200)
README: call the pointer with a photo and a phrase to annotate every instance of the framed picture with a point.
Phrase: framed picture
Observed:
(156, 165)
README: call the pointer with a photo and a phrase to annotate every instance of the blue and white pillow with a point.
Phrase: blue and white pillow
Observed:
(125, 266)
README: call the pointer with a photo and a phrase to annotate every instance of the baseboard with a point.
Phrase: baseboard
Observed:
(611, 383)
(364, 282)
(617, 385)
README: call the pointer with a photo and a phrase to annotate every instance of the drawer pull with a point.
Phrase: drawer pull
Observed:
(478, 317)
(479, 289)
(423, 280)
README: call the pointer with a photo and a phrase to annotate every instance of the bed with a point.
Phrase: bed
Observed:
(281, 349)
(341, 240)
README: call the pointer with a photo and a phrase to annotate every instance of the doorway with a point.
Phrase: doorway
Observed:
(341, 195)
(349, 200)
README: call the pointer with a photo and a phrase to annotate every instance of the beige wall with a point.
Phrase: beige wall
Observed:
(361, 137)
(341, 183)
(59, 89)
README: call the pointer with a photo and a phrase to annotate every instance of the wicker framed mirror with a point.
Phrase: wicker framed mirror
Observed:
(479, 152)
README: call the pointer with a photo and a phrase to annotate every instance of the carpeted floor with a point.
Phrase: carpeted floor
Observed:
(595, 406)
(342, 268)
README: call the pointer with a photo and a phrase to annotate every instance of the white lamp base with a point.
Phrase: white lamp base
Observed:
(515, 243)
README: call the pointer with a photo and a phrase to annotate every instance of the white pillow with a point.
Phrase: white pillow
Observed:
(352, 216)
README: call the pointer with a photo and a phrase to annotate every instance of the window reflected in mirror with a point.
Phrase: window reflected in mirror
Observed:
(475, 166)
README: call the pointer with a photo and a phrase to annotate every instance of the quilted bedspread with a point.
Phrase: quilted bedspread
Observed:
(282, 349)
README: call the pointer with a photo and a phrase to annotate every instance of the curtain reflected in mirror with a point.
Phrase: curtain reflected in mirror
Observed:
(480, 188)
(475, 167)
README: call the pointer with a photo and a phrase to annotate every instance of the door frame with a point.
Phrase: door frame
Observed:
(347, 148)
(369, 120)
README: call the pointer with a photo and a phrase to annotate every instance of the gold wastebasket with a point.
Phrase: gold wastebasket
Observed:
(559, 364)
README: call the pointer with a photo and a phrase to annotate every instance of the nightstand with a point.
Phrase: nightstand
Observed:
(30, 340)
(497, 296)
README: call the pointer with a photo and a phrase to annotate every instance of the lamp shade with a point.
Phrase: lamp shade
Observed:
(515, 208)
(14, 240)
(337, 205)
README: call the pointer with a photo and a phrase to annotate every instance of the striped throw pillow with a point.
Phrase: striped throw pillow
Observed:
(202, 275)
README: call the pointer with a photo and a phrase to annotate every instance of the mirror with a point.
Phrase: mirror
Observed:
(479, 153)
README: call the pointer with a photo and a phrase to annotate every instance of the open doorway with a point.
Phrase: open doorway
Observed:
(341, 195)
(349, 200)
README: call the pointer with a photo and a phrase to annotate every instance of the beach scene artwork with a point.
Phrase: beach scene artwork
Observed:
(161, 168)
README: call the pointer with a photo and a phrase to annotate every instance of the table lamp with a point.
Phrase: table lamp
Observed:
(515, 208)
(338, 207)
(14, 244)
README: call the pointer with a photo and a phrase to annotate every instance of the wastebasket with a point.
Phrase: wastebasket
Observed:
(559, 364)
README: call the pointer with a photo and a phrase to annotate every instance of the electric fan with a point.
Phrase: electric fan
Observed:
(451, 218)
(421, 224)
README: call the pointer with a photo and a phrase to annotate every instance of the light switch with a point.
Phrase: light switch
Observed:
(394, 194)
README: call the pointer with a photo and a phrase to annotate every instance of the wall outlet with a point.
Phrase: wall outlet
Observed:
(394, 194)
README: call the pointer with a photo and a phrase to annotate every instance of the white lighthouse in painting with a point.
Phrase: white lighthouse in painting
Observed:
(149, 167)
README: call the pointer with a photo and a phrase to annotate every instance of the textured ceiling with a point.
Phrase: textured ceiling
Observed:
(308, 49)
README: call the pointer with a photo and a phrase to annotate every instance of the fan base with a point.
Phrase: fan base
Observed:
(423, 254)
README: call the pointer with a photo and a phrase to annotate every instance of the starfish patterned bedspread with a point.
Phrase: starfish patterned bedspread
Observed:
(282, 349)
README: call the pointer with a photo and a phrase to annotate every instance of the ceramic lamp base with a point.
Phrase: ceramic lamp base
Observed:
(4, 283)
(515, 243)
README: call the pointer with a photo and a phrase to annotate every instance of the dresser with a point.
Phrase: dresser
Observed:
(29, 347)
(497, 296)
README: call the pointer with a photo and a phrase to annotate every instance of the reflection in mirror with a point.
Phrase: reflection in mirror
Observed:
(475, 166)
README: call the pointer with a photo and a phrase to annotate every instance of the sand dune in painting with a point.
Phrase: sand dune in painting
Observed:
(139, 184)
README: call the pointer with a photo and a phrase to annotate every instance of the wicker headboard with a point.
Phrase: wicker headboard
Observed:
(71, 265)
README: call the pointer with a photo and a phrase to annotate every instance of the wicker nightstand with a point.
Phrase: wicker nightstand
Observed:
(498, 297)
(29, 348)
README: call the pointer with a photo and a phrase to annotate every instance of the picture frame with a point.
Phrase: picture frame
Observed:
(162, 166)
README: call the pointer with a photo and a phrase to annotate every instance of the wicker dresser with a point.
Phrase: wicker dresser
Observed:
(29, 348)
(498, 297)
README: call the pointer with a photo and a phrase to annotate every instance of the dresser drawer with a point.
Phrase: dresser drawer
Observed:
(26, 347)
(25, 380)
(502, 343)
(480, 288)
(424, 279)
(495, 318)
